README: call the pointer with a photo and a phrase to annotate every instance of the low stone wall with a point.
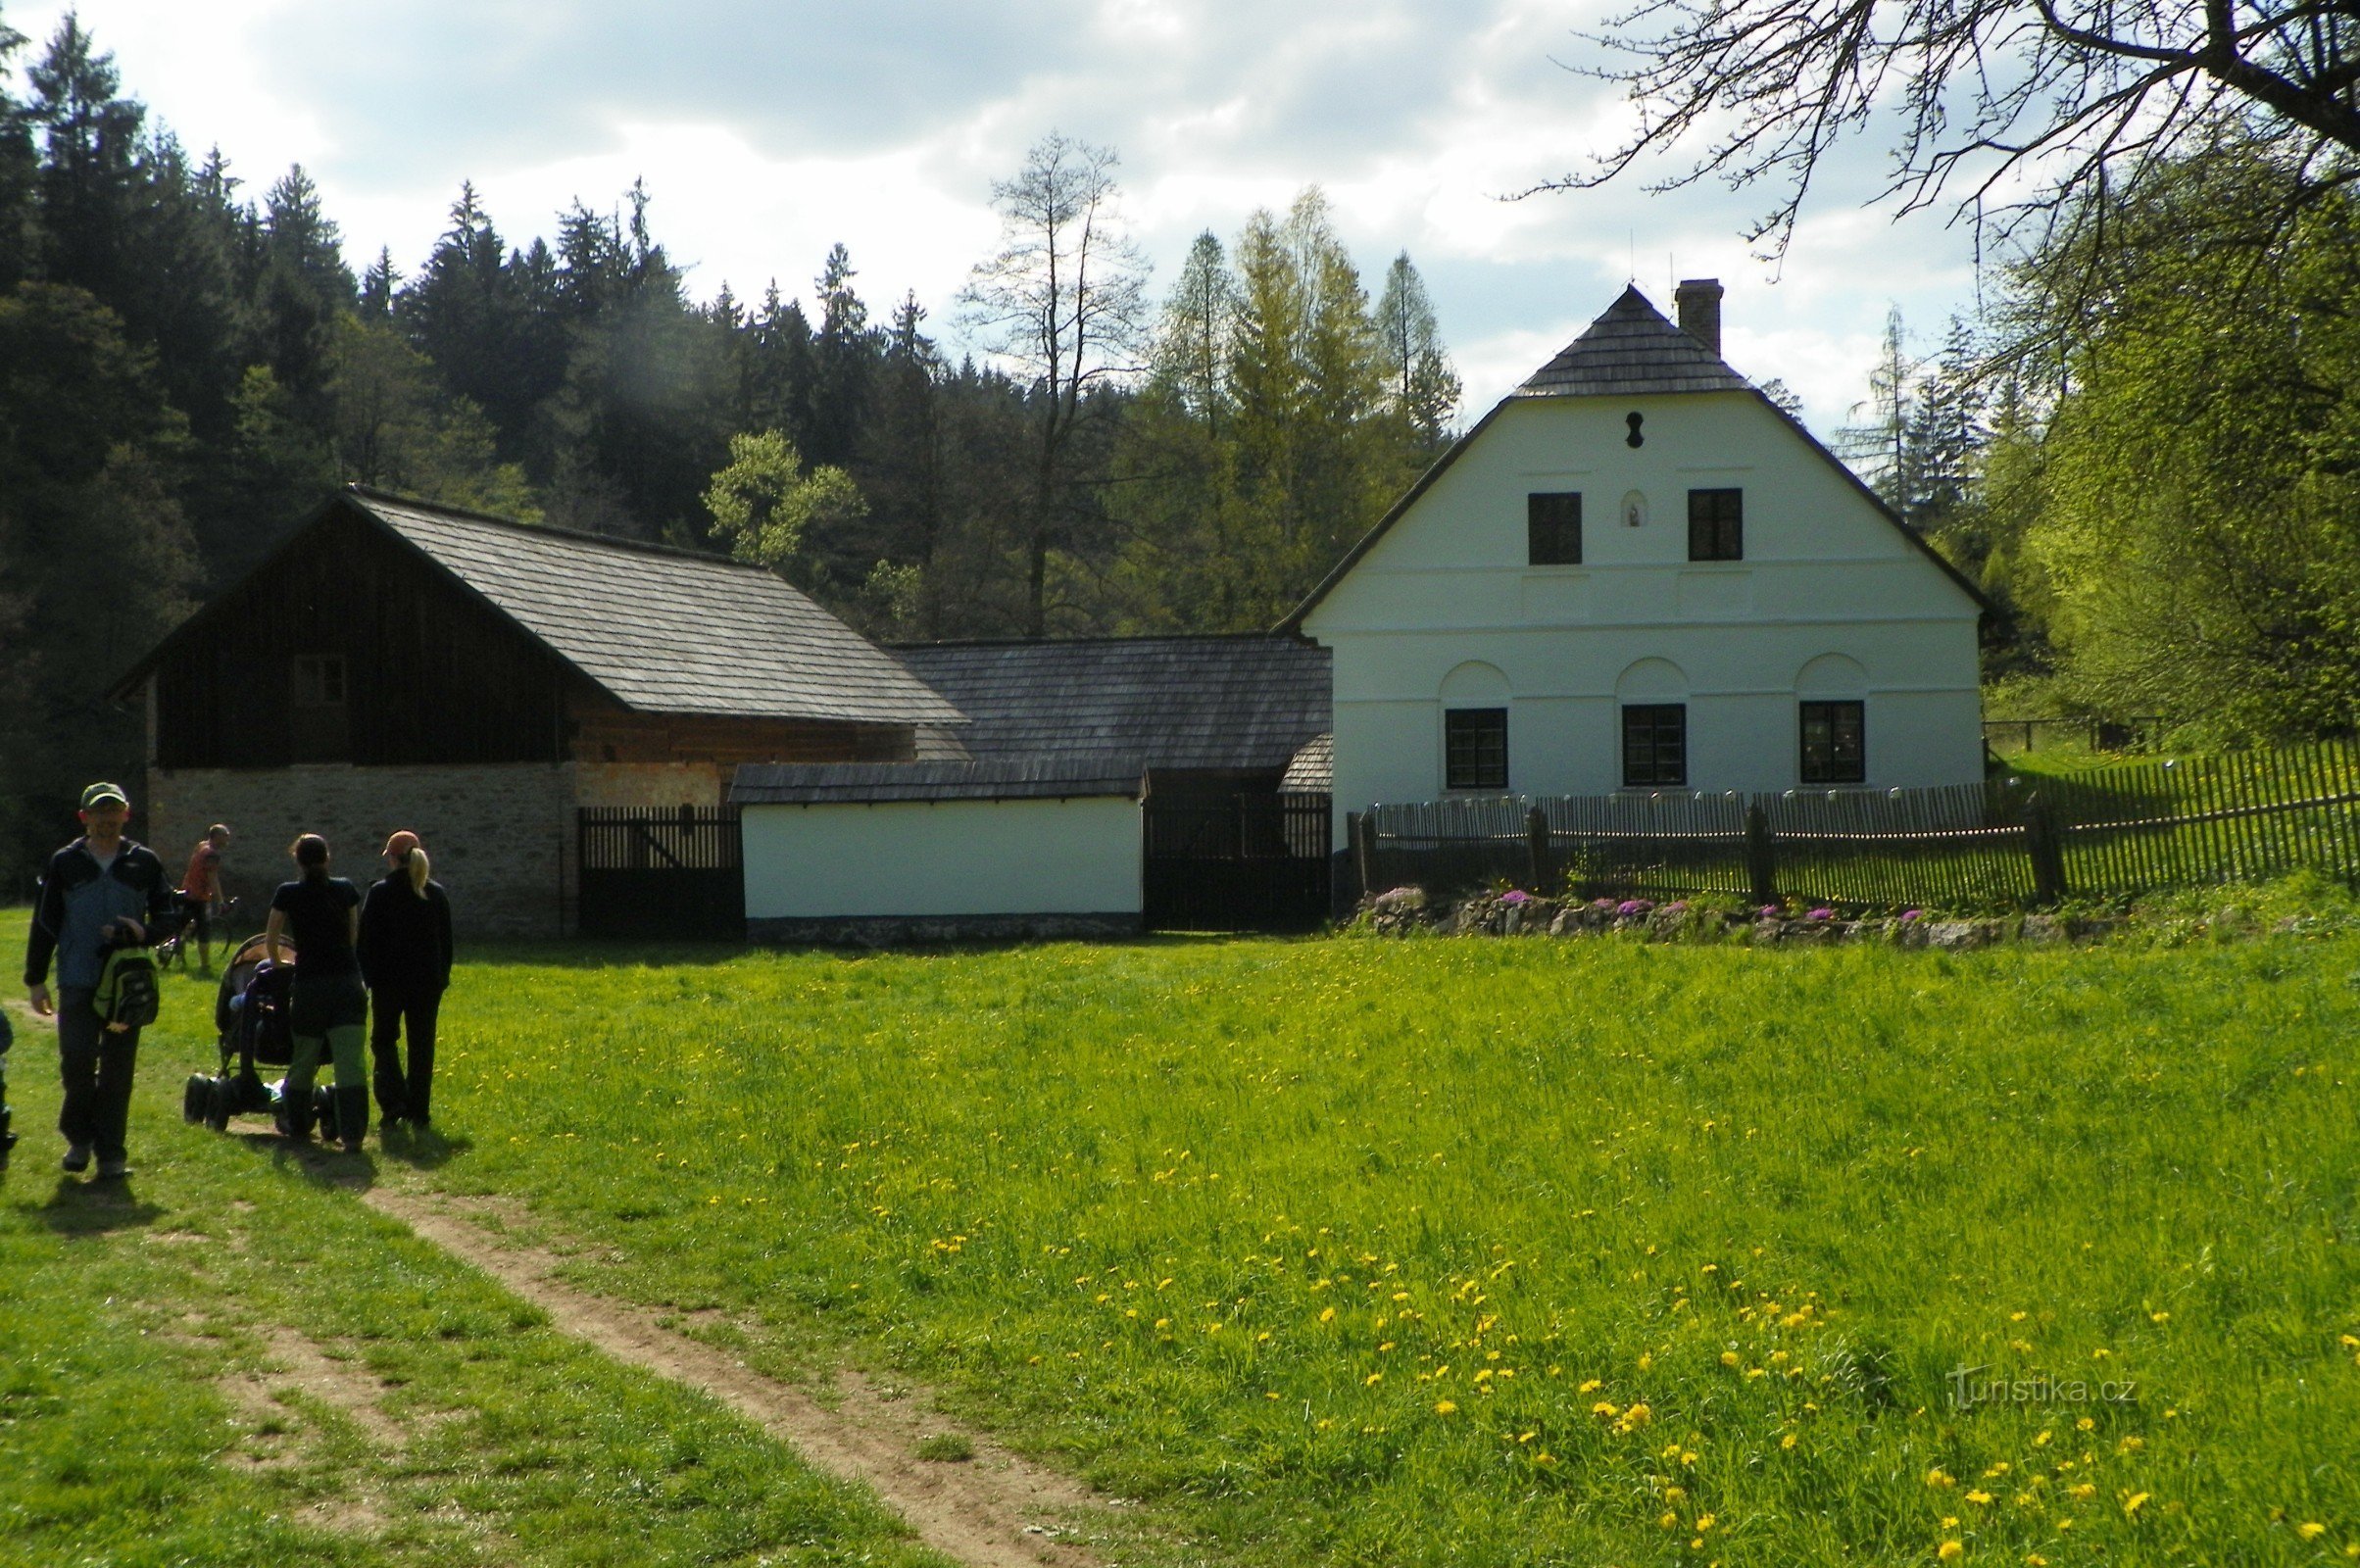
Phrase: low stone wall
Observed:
(905, 931)
(500, 836)
(1405, 912)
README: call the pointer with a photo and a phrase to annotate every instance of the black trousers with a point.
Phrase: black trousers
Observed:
(394, 1008)
(96, 1067)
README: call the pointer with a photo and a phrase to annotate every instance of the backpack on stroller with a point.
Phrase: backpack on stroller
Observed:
(250, 1012)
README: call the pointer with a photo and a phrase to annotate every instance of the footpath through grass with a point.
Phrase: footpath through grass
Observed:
(227, 1359)
(1475, 1251)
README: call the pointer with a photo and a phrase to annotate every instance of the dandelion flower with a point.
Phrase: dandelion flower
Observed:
(2133, 1503)
(1787, 1441)
(1372, 1379)
(1590, 1386)
(2311, 1529)
(1949, 1552)
(1670, 1520)
(1445, 1407)
(1938, 1477)
(1728, 1357)
(1328, 1316)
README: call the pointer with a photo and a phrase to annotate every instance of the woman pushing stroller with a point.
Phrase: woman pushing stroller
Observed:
(406, 957)
(328, 1008)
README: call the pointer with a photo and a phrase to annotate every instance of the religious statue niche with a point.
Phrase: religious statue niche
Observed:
(1634, 510)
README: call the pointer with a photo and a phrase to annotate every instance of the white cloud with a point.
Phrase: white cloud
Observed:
(766, 132)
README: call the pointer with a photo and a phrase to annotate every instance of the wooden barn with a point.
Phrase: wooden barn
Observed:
(499, 688)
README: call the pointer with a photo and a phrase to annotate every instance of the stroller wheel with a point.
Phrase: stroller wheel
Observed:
(217, 1105)
(196, 1098)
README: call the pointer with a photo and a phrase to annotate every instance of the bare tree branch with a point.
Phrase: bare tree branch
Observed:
(2066, 96)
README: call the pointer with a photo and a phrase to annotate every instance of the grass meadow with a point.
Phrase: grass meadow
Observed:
(1323, 1250)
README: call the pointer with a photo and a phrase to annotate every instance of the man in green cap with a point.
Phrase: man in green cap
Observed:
(100, 889)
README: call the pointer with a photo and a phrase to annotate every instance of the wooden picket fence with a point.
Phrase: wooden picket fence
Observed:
(2017, 843)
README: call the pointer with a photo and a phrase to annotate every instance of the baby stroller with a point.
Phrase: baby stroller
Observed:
(250, 1012)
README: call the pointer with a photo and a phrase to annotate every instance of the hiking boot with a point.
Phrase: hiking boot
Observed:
(77, 1158)
(110, 1170)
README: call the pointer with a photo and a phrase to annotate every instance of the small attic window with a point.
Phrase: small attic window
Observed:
(1553, 528)
(1716, 525)
(318, 680)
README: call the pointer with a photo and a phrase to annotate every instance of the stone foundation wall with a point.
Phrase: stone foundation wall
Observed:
(902, 931)
(500, 836)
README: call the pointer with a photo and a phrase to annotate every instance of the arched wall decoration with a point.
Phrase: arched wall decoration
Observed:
(1475, 684)
(1652, 680)
(1831, 675)
(1635, 509)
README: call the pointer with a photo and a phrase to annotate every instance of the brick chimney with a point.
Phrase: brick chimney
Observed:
(1698, 302)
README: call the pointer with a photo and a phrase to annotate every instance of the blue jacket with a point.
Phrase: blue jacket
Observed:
(77, 899)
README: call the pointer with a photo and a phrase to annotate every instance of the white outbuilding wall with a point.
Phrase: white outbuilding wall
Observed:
(1831, 600)
(943, 859)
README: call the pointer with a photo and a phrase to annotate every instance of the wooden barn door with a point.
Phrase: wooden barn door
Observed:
(1236, 862)
(662, 875)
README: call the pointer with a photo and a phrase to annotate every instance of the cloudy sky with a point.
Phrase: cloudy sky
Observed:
(769, 129)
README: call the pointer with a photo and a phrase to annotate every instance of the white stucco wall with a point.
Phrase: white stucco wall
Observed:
(1831, 600)
(951, 857)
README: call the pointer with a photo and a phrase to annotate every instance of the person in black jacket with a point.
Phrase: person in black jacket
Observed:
(327, 1011)
(100, 888)
(405, 957)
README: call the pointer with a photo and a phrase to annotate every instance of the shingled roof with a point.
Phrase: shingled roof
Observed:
(664, 630)
(1238, 702)
(1019, 779)
(1629, 351)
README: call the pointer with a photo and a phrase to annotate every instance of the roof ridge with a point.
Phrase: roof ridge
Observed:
(1632, 349)
(542, 531)
(1262, 635)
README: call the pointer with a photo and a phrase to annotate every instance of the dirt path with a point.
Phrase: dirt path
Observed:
(996, 1510)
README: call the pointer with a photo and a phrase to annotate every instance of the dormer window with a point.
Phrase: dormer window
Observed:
(1552, 521)
(1716, 525)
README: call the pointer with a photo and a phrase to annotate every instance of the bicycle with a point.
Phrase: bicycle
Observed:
(173, 950)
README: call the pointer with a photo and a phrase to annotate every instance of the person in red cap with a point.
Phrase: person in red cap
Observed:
(405, 957)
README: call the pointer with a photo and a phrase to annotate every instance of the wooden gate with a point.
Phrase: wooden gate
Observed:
(661, 875)
(1237, 862)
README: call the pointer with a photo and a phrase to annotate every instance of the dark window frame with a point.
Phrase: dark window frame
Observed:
(1552, 528)
(1716, 524)
(1475, 748)
(1647, 727)
(1827, 759)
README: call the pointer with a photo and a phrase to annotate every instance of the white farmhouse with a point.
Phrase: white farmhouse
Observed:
(1637, 572)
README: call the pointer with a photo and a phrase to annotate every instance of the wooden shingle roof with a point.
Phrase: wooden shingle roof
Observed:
(664, 630)
(1019, 778)
(1227, 701)
(1087, 717)
(1630, 351)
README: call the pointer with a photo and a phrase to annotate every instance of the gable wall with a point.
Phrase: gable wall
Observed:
(432, 676)
(1824, 573)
